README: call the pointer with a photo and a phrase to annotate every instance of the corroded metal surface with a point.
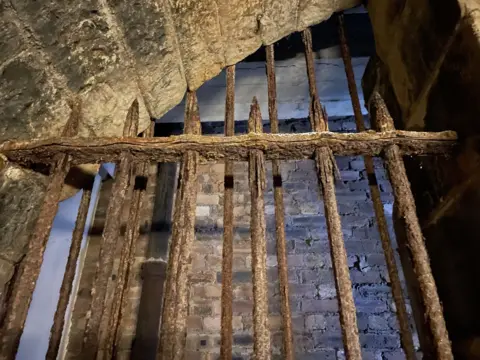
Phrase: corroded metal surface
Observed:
(21, 296)
(326, 167)
(405, 203)
(397, 292)
(29, 269)
(101, 301)
(127, 256)
(227, 255)
(288, 351)
(257, 181)
(68, 277)
(173, 327)
(218, 148)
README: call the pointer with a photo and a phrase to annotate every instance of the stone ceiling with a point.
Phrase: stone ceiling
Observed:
(107, 53)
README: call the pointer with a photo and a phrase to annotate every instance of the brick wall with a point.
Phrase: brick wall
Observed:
(81, 306)
(312, 290)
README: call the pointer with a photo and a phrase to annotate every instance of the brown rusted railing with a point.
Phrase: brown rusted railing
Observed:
(172, 335)
(103, 329)
(405, 204)
(326, 166)
(397, 292)
(100, 306)
(227, 252)
(257, 182)
(279, 213)
(29, 269)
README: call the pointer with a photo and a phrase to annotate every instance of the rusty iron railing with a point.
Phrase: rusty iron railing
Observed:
(107, 309)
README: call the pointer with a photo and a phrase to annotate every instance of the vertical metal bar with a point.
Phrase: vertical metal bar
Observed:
(29, 269)
(127, 258)
(68, 277)
(108, 246)
(19, 302)
(326, 166)
(173, 328)
(402, 315)
(256, 175)
(407, 211)
(150, 177)
(279, 212)
(227, 256)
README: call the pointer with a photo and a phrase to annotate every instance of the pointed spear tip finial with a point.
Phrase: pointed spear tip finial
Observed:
(131, 122)
(192, 114)
(255, 117)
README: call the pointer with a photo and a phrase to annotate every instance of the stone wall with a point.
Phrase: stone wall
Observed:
(312, 289)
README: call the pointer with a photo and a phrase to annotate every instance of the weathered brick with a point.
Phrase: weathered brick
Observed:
(307, 291)
(370, 306)
(238, 276)
(349, 175)
(369, 277)
(315, 322)
(328, 305)
(378, 322)
(208, 291)
(357, 164)
(202, 211)
(394, 355)
(211, 324)
(333, 339)
(194, 323)
(203, 199)
(317, 276)
(380, 341)
(242, 339)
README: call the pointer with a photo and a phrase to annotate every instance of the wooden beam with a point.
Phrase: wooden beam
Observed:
(275, 146)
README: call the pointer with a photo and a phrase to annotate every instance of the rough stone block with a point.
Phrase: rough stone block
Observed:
(21, 195)
(86, 47)
(32, 103)
(240, 24)
(150, 35)
(199, 37)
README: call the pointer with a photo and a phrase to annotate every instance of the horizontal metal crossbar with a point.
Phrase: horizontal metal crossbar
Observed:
(275, 146)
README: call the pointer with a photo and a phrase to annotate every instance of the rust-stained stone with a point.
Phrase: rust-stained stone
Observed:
(240, 22)
(199, 38)
(150, 34)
